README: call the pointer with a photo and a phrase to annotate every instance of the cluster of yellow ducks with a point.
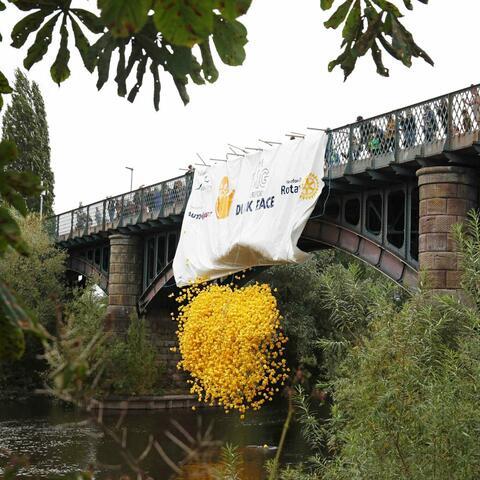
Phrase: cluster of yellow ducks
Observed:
(232, 344)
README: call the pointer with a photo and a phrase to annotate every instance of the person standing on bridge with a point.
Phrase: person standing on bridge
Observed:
(475, 104)
(98, 217)
(442, 113)
(430, 126)
(390, 134)
(111, 209)
(365, 130)
(466, 121)
(409, 128)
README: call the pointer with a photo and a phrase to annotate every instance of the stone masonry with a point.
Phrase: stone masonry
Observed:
(446, 193)
(125, 279)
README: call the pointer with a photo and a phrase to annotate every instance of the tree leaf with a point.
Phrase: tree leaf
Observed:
(121, 76)
(353, 25)
(95, 51)
(326, 4)
(183, 22)
(210, 72)
(28, 25)
(4, 85)
(339, 16)
(377, 58)
(156, 85)
(90, 20)
(180, 84)
(231, 9)
(81, 42)
(141, 67)
(42, 41)
(389, 7)
(124, 17)
(229, 39)
(26, 5)
(2, 6)
(103, 65)
(59, 70)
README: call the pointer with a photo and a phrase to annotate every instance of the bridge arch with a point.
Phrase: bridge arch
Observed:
(82, 266)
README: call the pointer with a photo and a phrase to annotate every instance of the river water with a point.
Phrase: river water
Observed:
(58, 441)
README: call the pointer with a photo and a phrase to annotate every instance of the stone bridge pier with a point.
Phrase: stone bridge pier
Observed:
(446, 194)
(125, 280)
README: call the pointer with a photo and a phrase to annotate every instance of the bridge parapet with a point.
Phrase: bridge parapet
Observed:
(449, 122)
(162, 200)
(439, 126)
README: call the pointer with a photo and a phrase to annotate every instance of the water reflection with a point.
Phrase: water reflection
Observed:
(58, 441)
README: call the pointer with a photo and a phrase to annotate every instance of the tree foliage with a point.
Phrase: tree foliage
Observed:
(177, 36)
(37, 281)
(404, 397)
(13, 187)
(372, 26)
(25, 123)
(322, 320)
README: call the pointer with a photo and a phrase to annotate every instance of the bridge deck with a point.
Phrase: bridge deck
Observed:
(390, 142)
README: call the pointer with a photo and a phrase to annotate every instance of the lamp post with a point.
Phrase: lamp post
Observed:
(131, 177)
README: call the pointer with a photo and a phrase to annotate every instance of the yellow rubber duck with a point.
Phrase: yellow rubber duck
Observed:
(224, 199)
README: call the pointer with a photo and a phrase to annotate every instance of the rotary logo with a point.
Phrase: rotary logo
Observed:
(309, 187)
(224, 199)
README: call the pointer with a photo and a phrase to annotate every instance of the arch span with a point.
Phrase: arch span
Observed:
(321, 234)
(82, 266)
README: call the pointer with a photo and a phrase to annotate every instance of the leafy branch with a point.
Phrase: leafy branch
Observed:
(142, 34)
(178, 37)
(370, 25)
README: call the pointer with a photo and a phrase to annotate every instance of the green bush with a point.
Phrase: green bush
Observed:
(38, 284)
(131, 363)
(405, 393)
(325, 303)
(127, 364)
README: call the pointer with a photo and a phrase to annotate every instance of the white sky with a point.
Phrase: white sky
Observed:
(283, 86)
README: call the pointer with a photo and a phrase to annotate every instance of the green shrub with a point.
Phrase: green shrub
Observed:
(131, 363)
(38, 284)
(405, 393)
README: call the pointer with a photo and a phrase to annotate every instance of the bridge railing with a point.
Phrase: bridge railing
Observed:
(446, 122)
(156, 201)
(441, 120)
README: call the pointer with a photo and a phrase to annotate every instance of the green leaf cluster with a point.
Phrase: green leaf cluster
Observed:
(178, 36)
(158, 34)
(370, 26)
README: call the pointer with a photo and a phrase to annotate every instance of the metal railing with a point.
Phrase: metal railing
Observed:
(160, 200)
(442, 120)
(439, 120)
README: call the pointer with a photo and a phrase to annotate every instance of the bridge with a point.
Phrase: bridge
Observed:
(394, 186)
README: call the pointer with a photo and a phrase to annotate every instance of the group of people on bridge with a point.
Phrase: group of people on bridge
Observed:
(415, 126)
(150, 202)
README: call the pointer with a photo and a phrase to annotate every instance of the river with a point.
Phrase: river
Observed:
(58, 441)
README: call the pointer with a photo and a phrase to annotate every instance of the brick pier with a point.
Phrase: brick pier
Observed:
(125, 280)
(446, 193)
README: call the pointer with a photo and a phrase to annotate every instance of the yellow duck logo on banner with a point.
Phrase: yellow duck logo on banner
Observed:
(224, 199)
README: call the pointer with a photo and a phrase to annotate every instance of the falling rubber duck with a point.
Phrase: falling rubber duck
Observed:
(224, 199)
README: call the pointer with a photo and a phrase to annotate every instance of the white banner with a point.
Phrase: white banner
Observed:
(250, 211)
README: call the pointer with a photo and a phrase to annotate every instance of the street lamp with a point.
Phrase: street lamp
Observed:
(131, 177)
